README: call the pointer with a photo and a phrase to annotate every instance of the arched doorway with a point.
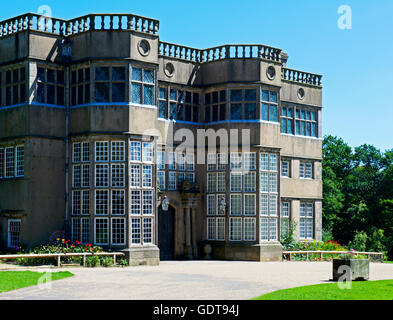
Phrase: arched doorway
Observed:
(166, 233)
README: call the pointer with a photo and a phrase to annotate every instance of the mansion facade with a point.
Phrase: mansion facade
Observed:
(93, 116)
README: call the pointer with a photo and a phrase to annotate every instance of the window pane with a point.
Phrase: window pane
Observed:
(162, 109)
(215, 97)
(136, 93)
(102, 73)
(50, 75)
(162, 93)
(195, 98)
(250, 111)
(102, 92)
(180, 112)
(289, 127)
(250, 95)
(148, 95)
(188, 113)
(118, 92)
(118, 73)
(236, 111)
(40, 75)
(284, 125)
(265, 95)
(236, 95)
(195, 116)
(222, 96)
(273, 96)
(50, 94)
(148, 76)
(207, 98)
(273, 113)
(172, 111)
(265, 111)
(222, 112)
(188, 97)
(207, 114)
(137, 74)
(172, 95)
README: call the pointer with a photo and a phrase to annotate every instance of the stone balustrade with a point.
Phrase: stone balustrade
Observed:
(32, 21)
(180, 52)
(244, 51)
(301, 77)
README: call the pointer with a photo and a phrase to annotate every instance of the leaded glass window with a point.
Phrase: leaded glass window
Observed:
(142, 86)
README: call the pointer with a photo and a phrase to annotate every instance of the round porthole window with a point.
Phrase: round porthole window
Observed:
(301, 93)
(144, 47)
(271, 72)
(169, 69)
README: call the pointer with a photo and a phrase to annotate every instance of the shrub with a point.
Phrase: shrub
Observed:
(359, 241)
(92, 261)
(106, 261)
(122, 261)
(59, 246)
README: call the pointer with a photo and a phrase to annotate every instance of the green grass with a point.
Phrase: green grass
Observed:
(12, 280)
(361, 290)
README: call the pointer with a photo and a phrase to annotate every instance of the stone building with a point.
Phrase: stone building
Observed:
(94, 118)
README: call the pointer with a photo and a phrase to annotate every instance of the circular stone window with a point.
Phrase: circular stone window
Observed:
(271, 72)
(169, 69)
(301, 93)
(144, 47)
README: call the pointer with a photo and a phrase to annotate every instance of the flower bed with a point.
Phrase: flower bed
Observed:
(318, 246)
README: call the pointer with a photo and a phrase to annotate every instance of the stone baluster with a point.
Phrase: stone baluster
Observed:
(68, 31)
(61, 28)
(92, 22)
(120, 25)
(20, 24)
(39, 23)
(171, 51)
(130, 23)
(156, 23)
(46, 26)
(85, 24)
(111, 22)
(151, 26)
(137, 24)
(80, 25)
(30, 22)
(54, 25)
(102, 22)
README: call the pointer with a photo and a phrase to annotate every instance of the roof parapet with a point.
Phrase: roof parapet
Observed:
(32, 21)
(229, 51)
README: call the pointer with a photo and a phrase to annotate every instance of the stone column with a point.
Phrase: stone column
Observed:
(295, 211)
(194, 242)
(188, 249)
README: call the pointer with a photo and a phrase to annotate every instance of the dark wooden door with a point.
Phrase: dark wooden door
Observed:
(166, 233)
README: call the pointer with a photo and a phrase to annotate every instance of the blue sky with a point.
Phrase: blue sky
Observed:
(357, 64)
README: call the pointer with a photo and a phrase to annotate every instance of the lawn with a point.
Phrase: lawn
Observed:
(361, 290)
(11, 280)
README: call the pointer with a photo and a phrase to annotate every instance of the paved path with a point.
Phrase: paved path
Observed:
(185, 280)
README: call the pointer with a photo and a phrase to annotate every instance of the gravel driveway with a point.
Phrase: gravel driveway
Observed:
(184, 280)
